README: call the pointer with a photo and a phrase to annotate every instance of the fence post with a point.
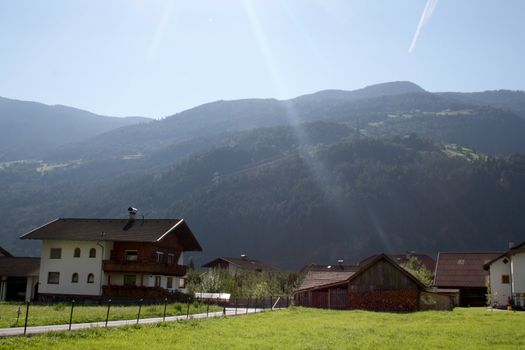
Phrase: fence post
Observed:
(236, 300)
(271, 303)
(188, 310)
(207, 308)
(247, 304)
(71, 315)
(107, 313)
(27, 315)
(255, 304)
(165, 306)
(140, 307)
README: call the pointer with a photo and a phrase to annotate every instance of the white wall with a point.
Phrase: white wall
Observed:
(500, 291)
(67, 265)
(518, 272)
(30, 287)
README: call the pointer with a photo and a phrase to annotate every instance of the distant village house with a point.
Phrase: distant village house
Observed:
(235, 264)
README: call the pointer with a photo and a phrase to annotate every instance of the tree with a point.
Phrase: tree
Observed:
(418, 270)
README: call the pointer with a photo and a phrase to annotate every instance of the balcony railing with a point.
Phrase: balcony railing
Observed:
(144, 267)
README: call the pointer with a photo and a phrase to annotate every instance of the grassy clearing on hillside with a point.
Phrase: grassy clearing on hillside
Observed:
(40, 315)
(300, 328)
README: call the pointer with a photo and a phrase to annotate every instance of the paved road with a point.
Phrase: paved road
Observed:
(10, 332)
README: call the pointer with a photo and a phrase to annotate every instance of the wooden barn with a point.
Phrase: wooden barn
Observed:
(379, 285)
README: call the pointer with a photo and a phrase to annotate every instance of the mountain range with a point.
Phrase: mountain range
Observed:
(334, 174)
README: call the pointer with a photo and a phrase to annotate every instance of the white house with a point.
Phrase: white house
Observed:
(132, 258)
(507, 276)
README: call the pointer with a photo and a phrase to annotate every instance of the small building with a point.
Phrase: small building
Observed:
(127, 258)
(379, 285)
(507, 277)
(235, 264)
(18, 277)
(464, 271)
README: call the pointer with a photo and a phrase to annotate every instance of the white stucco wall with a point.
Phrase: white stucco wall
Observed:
(67, 265)
(518, 272)
(30, 287)
(500, 291)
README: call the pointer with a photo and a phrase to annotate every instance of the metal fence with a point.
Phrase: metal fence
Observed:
(105, 311)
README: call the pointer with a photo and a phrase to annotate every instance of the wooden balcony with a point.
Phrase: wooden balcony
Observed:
(143, 267)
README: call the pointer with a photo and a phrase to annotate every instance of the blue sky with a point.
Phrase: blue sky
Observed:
(155, 58)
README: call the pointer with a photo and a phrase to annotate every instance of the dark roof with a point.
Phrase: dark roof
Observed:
(4, 252)
(19, 266)
(462, 269)
(123, 230)
(336, 267)
(428, 262)
(242, 263)
(316, 279)
(514, 250)
(323, 279)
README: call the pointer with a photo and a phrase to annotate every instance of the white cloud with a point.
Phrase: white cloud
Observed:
(425, 17)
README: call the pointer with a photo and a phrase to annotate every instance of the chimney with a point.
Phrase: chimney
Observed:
(511, 244)
(132, 213)
(244, 257)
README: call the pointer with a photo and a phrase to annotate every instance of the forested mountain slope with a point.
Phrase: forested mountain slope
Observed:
(269, 195)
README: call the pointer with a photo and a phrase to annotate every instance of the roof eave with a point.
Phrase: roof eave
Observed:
(38, 228)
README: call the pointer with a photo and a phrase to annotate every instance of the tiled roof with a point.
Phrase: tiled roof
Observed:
(314, 279)
(462, 269)
(243, 263)
(124, 230)
(19, 267)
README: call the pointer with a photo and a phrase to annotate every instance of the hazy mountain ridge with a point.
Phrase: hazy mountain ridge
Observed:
(31, 128)
(504, 99)
(211, 121)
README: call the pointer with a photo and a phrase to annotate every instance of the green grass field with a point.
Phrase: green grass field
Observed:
(40, 315)
(300, 328)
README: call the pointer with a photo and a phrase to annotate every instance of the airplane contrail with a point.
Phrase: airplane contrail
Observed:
(425, 16)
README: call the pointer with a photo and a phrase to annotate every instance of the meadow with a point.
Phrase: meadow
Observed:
(40, 315)
(301, 328)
